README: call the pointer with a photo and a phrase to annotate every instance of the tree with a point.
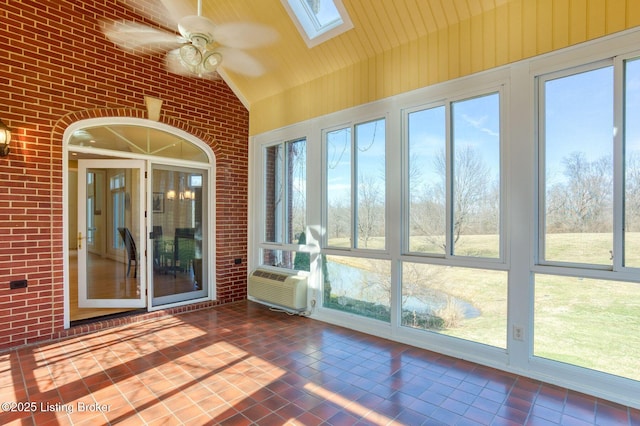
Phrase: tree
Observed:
(370, 209)
(582, 201)
(475, 198)
(632, 192)
(302, 262)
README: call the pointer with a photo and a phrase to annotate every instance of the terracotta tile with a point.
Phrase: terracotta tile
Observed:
(242, 364)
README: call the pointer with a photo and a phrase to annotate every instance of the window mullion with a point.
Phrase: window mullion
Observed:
(354, 189)
(449, 159)
(618, 165)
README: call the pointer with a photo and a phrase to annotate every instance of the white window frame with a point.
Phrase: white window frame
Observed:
(617, 270)
(283, 244)
(449, 254)
(353, 247)
(308, 27)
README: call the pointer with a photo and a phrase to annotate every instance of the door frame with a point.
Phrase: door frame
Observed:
(69, 151)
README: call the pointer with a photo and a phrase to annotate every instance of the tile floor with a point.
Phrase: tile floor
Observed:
(242, 364)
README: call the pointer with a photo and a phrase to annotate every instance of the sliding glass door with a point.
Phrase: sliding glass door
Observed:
(178, 234)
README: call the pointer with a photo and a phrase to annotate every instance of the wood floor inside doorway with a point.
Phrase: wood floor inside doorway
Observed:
(101, 284)
(109, 280)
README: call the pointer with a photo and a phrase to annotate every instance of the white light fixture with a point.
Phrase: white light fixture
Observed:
(184, 193)
(5, 139)
(199, 55)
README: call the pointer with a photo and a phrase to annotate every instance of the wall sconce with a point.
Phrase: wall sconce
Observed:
(5, 138)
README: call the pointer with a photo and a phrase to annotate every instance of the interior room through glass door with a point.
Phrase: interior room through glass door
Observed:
(111, 236)
(179, 234)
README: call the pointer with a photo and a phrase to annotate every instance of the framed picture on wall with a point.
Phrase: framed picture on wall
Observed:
(158, 202)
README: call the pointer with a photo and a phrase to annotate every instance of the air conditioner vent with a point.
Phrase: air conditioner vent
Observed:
(281, 289)
(270, 275)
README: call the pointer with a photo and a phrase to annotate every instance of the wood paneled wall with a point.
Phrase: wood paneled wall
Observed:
(466, 37)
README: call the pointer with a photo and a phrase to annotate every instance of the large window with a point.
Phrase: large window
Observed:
(453, 211)
(285, 222)
(632, 163)
(467, 303)
(590, 164)
(454, 178)
(588, 315)
(495, 216)
(578, 166)
(355, 186)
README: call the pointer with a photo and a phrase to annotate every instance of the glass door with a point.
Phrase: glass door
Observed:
(111, 239)
(178, 234)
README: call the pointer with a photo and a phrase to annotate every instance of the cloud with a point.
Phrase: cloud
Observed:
(479, 124)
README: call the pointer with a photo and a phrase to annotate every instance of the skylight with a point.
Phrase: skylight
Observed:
(318, 20)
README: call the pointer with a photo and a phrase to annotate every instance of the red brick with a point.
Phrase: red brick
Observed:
(67, 72)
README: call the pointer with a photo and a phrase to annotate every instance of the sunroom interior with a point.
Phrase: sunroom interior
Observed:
(467, 187)
(460, 176)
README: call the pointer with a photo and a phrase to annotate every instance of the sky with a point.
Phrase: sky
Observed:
(579, 117)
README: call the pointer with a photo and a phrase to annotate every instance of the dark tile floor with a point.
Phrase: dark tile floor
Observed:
(242, 364)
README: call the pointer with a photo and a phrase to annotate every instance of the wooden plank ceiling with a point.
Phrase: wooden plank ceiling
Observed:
(379, 25)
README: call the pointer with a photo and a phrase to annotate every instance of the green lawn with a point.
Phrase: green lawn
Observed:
(587, 322)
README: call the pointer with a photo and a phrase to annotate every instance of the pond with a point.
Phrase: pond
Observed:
(348, 281)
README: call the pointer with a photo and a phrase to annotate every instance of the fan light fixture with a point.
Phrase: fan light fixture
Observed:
(199, 54)
(5, 138)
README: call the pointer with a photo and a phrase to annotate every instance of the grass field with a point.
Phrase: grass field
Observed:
(587, 322)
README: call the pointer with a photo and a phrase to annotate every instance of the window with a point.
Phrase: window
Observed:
(285, 202)
(355, 215)
(355, 186)
(579, 144)
(632, 163)
(454, 179)
(577, 136)
(357, 285)
(118, 203)
(467, 303)
(453, 211)
(589, 142)
(592, 323)
(318, 20)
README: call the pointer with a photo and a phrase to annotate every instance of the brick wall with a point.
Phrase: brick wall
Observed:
(56, 67)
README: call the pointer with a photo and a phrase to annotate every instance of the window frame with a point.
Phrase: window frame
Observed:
(283, 245)
(618, 158)
(298, 13)
(353, 199)
(449, 255)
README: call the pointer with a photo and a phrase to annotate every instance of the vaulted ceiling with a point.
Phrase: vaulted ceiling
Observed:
(378, 25)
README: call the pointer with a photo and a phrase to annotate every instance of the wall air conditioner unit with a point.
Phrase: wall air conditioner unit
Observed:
(288, 290)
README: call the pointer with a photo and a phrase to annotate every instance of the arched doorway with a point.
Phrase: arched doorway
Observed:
(139, 217)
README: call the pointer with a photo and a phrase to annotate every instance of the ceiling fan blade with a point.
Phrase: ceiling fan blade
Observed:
(245, 35)
(178, 9)
(194, 24)
(240, 62)
(164, 12)
(133, 36)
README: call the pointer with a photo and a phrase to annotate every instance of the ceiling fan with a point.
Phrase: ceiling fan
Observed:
(201, 46)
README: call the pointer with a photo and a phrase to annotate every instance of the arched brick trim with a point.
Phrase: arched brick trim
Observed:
(68, 119)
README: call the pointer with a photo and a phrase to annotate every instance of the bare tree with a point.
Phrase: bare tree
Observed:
(471, 182)
(583, 201)
(632, 192)
(370, 209)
